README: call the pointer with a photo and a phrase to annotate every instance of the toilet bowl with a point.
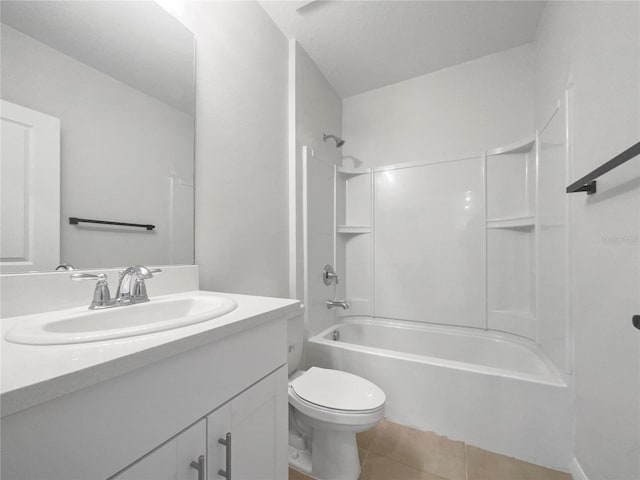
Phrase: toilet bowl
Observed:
(326, 410)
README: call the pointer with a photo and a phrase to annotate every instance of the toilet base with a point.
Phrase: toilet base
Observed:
(300, 460)
(324, 453)
(334, 455)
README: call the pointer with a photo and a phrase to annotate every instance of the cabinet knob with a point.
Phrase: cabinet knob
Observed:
(226, 441)
(199, 466)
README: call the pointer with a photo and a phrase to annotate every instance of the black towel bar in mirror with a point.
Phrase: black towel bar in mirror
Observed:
(76, 221)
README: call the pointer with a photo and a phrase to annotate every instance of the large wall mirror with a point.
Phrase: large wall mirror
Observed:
(98, 102)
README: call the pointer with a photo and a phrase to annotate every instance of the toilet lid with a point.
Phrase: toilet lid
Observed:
(337, 390)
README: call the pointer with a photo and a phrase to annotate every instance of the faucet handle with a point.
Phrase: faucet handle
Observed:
(101, 294)
(329, 275)
(101, 277)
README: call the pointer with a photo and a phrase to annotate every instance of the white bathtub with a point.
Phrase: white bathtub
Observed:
(495, 391)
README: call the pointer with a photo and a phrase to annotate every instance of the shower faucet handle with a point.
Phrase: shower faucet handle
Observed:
(329, 275)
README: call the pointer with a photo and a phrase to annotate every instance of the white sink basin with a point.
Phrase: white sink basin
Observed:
(81, 325)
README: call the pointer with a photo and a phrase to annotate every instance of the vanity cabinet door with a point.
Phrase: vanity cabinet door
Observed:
(172, 461)
(257, 423)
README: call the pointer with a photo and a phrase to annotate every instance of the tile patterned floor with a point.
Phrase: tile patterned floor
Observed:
(394, 452)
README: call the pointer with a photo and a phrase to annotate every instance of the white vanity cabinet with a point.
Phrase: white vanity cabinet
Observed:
(173, 460)
(151, 422)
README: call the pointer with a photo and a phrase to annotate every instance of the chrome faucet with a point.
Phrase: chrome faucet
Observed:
(334, 303)
(131, 286)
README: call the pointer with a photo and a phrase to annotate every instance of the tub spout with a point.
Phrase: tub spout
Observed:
(335, 303)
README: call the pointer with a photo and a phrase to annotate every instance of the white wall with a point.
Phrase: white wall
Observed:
(316, 109)
(241, 148)
(594, 48)
(452, 113)
(119, 147)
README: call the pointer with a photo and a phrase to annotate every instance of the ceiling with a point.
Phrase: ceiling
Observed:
(362, 45)
(135, 42)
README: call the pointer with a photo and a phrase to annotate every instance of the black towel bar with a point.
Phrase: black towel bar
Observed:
(588, 182)
(76, 221)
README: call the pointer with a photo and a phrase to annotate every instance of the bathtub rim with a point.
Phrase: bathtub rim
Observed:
(554, 377)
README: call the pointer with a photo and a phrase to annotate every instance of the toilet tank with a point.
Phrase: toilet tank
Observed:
(295, 334)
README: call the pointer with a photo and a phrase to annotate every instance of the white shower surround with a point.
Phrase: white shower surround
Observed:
(447, 380)
(464, 242)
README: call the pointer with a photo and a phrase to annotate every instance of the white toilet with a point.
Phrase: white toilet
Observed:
(326, 410)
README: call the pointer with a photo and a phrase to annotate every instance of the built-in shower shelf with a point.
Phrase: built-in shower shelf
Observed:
(353, 229)
(522, 146)
(352, 172)
(512, 222)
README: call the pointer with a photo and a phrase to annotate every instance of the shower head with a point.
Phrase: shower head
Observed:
(338, 140)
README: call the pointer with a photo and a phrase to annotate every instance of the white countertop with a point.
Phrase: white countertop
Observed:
(32, 374)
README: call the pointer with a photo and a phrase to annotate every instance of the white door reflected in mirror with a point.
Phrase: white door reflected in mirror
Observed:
(30, 190)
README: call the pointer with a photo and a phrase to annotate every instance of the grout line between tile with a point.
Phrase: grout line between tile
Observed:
(466, 463)
(366, 456)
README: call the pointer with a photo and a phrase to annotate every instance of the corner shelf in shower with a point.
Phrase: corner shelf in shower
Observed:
(522, 146)
(520, 222)
(352, 172)
(353, 229)
(511, 225)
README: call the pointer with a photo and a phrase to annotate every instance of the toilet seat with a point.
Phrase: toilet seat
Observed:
(336, 397)
(338, 390)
